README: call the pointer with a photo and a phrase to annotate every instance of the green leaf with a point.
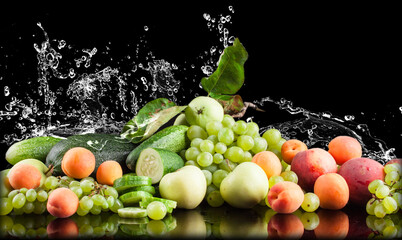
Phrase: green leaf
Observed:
(232, 104)
(228, 78)
(149, 119)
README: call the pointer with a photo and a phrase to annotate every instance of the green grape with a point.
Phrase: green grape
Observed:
(110, 201)
(218, 158)
(117, 205)
(390, 232)
(247, 156)
(196, 142)
(228, 121)
(195, 131)
(214, 199)
(42, 196)
(310, 220)
(210, 188)
(234, 154)
(240, 127)
(379, 210)
(192, 162)
(218, 176)
(6, 206)
(260, 144)
(227, 165)
(208, 176)
(212, 168)
(98, 200)
(213, 127)
(371, 204)
(392, 167)
(274, 179)
(226, 136)
(91, 179)
(278, 146)
(213, 138)
(204, 159)
(372, 187)
(87, 185)
(19, 200)
(81, 212)
(192, 153)
(252, 129)
(272, 136)
(390, 204)
(111, 191)
(77, 190)
(290, 176)
(246, 142)
(207, 146)
(18, 230)
(220, 147)
(74, 183)
(28, 207)
(382, 191)
(23, 190)
(397, 196)
(96, 209)
(31, 195)
(391, 177)
(51, 182)
(13, 193)
(86, 203)
(156, 228)
(156, 210)
(39, 207)
(311, 202)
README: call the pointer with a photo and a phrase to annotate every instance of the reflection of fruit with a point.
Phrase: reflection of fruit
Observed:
(24, 176)
(62, 228)
(310, 164)
(108, 171)
(62, 203)
(290, 148)
(269, 162)
(203, 109)
(5, 187)
(187, 186)
(285, 226)
(359, 173)
(285, 197)
(78, 163)
(242, 224)
(344, 148)
(333, 224)
(190, 224)
(245, 186)
(332, 190)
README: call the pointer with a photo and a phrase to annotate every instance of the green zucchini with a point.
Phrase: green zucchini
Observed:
(132, 198)
(172, 138)
(103, 146)
(156, 162)
(36, 148)
(126, 182)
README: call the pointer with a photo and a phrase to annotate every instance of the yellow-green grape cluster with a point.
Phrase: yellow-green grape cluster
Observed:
(389, 227)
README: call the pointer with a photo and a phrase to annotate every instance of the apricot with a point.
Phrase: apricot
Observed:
(285, 197)
(78, 163)
(285, 226)
(24, 176)
(333, 224)
(310, 164)
(62, 203)
(108, 171)
(332, 190)
(359, 173)
(344, 148)
(64, 228)
(290, 148)
(269, 162)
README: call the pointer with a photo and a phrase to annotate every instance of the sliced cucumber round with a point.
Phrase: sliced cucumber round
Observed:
(132, 212)
(156, 162)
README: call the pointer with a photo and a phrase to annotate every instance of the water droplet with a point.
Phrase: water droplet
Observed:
(6, 91)
(146, 28)
(62, 44)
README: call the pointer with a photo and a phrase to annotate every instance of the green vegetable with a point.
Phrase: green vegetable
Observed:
(134, 229)
(150, 189)
(149, 119)
(132, 212)
(36, 147)
(103, 146)
(170, 204)
(131, 198)
(172, 138)
(156, 162)
(126, 182)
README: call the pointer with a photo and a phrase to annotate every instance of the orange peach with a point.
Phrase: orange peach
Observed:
(269, 162)
(24, 176)
(108, 171)
(332, 190)
(359, 173)
(285, 197)
(310, 164)
(344, 148)
(333, 225)
(290, 148)
(78, 162)
(62, 203)
(285, 226)
(64, 228)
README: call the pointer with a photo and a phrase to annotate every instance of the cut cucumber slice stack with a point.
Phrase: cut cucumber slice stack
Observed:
(130, 181)
(150, 189)
(156, 162)
(132, 212)
(131, 198)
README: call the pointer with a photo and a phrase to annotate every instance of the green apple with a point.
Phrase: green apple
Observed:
(203, 109)
(187, 186)
(5, 187)
(245, 186)
(36, 163)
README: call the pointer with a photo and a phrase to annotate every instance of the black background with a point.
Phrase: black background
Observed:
(342, 59)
